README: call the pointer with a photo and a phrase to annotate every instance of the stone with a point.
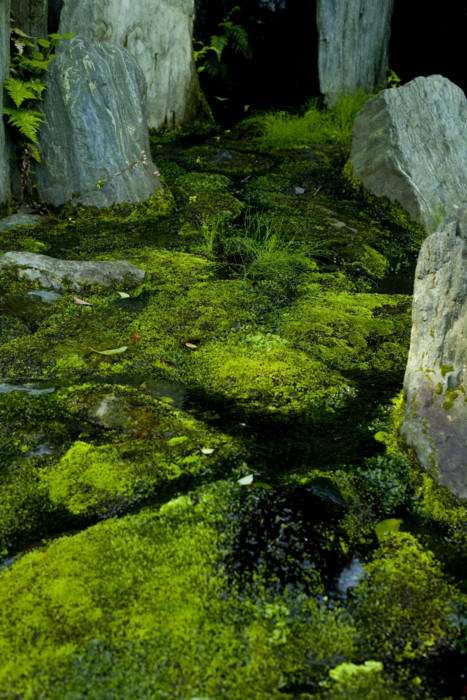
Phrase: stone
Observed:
(31, 16)
(5, 192)
(94, 144)
(158, 33)
(16, 220)
(435, 420)
(352, 45)
(410, 144)
(52, 273)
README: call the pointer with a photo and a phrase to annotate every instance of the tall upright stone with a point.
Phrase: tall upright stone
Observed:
(353, 45)
(94, 141)
(158, 33)
(31, 16)
(4, 64)
(435, 383)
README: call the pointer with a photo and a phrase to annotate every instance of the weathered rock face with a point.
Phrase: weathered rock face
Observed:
(94, 143)
(435, 421)
(158, 34)
(52, 273)
(410, 145)
(4, 63)
(31, 16)
(353, 45)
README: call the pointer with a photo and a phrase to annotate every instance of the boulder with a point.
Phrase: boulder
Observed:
(158, 33)
(352, 45)
(4, 65)
(435, 420)
(410, 144)
(94, 143)
(52, 273)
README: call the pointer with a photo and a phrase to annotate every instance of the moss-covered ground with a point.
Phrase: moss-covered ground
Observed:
(203, 493)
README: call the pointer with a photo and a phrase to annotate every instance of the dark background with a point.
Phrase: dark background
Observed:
(283, 72)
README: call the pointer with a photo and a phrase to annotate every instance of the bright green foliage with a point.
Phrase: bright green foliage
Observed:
(404, 604)
(141, 607)
(263, 371)
(333, 125)
(351, 330)
(356, 681)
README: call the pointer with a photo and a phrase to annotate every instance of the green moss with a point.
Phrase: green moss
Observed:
(141, 606)
(404, 604)
(263, 371)
(347, 330)
(445, 369)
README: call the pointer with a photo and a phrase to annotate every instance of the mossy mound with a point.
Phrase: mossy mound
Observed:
(262, 371)
(142, 606)
(351, 331)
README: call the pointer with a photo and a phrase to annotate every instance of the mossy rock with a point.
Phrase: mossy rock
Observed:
(155, 451)
(141, 606)
(345, 330)
(404, 604)
(262, 371)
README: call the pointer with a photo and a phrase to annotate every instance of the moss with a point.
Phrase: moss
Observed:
(391, 209)
(347, 330)
(404, 604)
(263, 371)
(140, 605)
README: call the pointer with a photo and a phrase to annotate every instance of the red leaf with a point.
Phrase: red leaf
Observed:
(136, 337)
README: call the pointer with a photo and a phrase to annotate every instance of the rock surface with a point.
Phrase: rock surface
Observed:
(31, 16)
(19, 220)
(158, 33)
(410, 145)
(435, 421)
(52, 273)
(353, 45)
(94, 143)
(4, 63)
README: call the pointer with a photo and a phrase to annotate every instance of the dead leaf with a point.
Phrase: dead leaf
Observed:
(299, 190)
(143, 433)
(190, 345)
(135, 337)
(114, 351)
(81, 301)
(143, 385)
(124, 295)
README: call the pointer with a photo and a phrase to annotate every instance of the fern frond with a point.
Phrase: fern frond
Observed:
(237, 37)
(33, 64)
(28, 121)
(33, 152)
(218, 43)
(19, 91)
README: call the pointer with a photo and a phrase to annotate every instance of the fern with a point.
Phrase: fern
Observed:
(19, 91)
(28, 121)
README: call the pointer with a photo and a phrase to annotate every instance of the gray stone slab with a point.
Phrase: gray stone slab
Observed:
(52, 273)
(16, 220)
(410, 144)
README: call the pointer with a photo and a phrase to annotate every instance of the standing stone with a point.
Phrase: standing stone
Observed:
(353, 45)
(31, 16)
(410, 145)
(435, 421)
(4, 64)
(158, 33)
(94, 143)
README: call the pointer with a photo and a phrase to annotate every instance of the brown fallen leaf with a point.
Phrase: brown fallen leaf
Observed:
(81, 301)
(143, 433)
(136, 337)
(143, 385)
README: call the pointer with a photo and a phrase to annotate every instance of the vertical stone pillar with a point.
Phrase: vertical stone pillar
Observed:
(353, 45)
(31, 16)
(4, 64)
